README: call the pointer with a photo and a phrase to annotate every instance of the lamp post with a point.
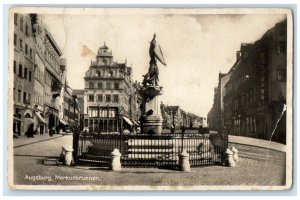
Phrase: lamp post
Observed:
(75, 131)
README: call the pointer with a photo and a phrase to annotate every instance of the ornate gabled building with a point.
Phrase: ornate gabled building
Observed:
(108, 94)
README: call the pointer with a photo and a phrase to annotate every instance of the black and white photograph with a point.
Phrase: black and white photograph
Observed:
(150, 99)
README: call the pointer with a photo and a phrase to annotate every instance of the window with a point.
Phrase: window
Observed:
(30, 53)
(25, 72)
(116, 98)
(98, 73)
(281, 75)
(91, 97)
(21, 23)
(19, 95)
(111, 73)
(91, 85)
(93, 112)
(15, 66)
(29, 76)
(16, 18)
(108, 98)
(26, 30)
(29, 98)
(26, 49)
(15, 39)
(21, 44)
(112, 113)
(107, 86)
(116, 86)
(100, 85)
(20, 70)
(100, 97)
(24, 97)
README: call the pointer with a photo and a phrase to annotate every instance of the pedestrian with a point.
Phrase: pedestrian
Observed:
(29, 132)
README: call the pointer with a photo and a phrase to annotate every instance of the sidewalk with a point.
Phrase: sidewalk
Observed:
(23, 140)
(257, 142)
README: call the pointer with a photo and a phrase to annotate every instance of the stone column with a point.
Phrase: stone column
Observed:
(235, 154)
(68, 151)
(184, 161)
(151, 113)
(231, 162)
(115, 164)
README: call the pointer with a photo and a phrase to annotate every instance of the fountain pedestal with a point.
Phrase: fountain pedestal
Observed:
(151, 120)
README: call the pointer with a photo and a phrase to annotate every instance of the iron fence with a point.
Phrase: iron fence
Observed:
(151, 150)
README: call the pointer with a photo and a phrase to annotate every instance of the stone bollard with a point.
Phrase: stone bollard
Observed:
(231, 161)
(115, 164)
(68, 157)
(184, 161)
(235, 154)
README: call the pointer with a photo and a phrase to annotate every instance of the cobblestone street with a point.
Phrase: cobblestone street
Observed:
(256, 167)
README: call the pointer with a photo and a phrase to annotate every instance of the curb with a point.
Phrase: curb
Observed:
(52, 138)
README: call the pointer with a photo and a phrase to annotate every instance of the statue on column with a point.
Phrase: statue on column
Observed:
(151, 78)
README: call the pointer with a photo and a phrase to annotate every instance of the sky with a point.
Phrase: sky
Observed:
(196, 48)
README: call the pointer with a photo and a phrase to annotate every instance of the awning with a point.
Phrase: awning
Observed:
(63, 122)
(128, 121)
(40, 117)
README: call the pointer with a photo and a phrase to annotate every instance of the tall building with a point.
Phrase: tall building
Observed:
(108, 94)
(23, 69)
(53, 82)
(256, 91)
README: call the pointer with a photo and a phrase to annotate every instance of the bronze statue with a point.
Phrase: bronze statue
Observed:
(151, 78)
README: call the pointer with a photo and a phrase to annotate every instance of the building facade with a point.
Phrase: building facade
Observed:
(108, 94)
(214, 120)
(23, 71)
(39, 77)
(256, 91)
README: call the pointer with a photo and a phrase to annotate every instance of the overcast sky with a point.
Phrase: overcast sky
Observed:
(196, 48)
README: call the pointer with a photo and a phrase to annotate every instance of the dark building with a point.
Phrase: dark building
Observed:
(214, 120)
(256, 91)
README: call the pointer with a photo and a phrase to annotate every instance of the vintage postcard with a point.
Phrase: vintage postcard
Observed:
(150, 99)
